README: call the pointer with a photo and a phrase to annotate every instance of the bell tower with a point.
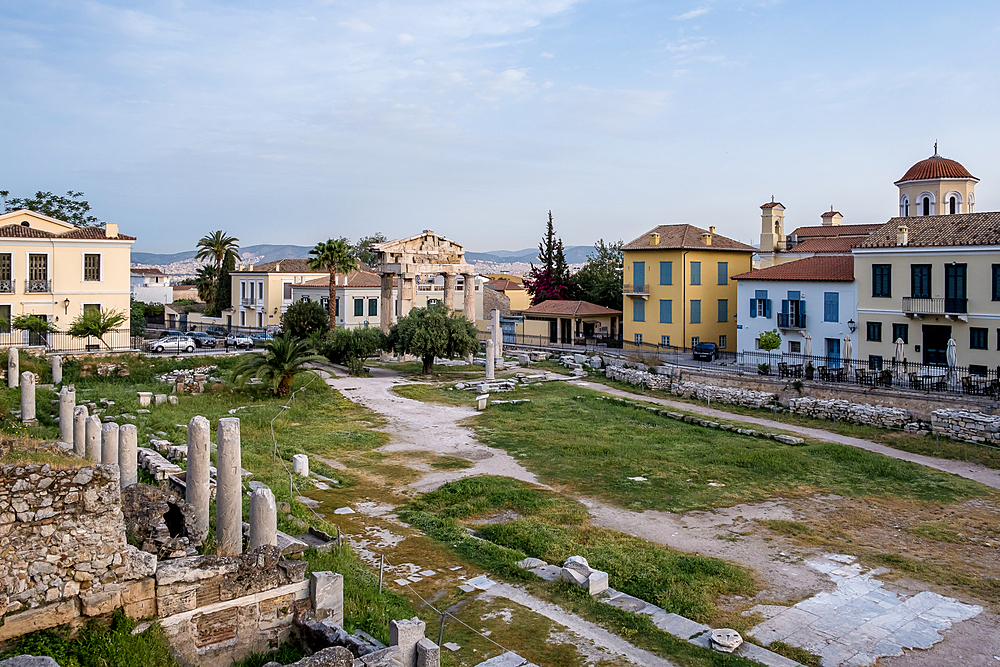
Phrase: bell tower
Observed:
(772, 232)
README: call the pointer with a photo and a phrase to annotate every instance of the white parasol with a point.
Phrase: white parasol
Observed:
(900, 371)
(952, 358)
(847, 351)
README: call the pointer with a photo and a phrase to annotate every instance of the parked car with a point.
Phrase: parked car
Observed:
(217, 331)
(706, 351)
(202, 338)
(171, 332)
(239, 340)
(173, 344)
(272, 329)
(261, 338)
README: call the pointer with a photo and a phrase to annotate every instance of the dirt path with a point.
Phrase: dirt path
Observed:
(976, 473)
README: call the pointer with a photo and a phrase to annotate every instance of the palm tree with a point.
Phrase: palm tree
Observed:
(335, 256)
(217, 247)
(283, 358)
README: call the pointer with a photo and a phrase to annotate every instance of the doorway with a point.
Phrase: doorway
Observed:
(936, 344)
(833, 353)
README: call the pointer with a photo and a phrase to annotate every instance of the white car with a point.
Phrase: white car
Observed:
(239, 340)
(173, 344)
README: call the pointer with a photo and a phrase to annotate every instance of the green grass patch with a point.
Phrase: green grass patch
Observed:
(99, 645)
(286, 654)
(939, 531)
(790, 528)
(795, 653)
(431, 394)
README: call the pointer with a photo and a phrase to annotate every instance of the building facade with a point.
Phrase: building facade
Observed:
(56, 271)
(678, 289)
(812, 302)
(568, 322)
(151, 286)
(260, 294)
(829, 238)
(357, 297)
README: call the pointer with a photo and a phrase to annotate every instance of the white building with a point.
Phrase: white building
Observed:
(151, 286)
(817, 295)
(357, 297)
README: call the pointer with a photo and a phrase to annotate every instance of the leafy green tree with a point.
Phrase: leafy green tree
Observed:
(335, 256)
(38, 328)
(206, 282)
(352, 347)
(282, 360)
(433, 332)
(304, 318)
(770, 340)
(600, 280)
(72, 208)
(137, 318)
(96, 323)
(217, 248)
(363, 249)
(224, 295)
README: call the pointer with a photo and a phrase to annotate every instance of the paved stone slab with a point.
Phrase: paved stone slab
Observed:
(548, 572)
(508, 659)
(678, 626)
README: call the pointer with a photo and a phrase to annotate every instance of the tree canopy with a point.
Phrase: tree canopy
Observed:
(550, 280)
(96, 323)
(600, 280)
(283, 359)
(363, 249)
(221, 250)
(431, 332)
(770, 340)
(72, 208)
(304, 318)
(335, 256)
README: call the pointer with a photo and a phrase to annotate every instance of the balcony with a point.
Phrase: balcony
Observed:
(636, 290)
(245, 302)
(790, 321)
(6, 286)
(38, 287)
(948, 306)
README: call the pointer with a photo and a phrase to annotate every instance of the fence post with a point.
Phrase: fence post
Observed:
(381, 569)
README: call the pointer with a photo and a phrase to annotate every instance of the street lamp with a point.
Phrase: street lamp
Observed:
(852, 325)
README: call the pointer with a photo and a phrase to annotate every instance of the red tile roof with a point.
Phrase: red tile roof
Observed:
(147, 272)
(22, 232)
(837, 230)
(832, 244)
(91, 232)
(292, 265)
(824, 269)
(961, 229)
(570, 308)
(686, 237)
(772, 204)
(935, 167)
(504, 285)
(354, 279)
(830, 214)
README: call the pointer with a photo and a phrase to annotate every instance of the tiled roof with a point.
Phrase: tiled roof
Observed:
(772, 204)
(91, 232)
(830, 214)
(291, 265)
(147, 272)
(687, 237)
(935, 167)
(824, 269)
(570, 308)
(354, 279)
(837, 230)
(833, 244)
(504, 285)
(961, 229)
(22, 232)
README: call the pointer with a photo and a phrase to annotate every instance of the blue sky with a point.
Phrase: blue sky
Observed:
(296, 121)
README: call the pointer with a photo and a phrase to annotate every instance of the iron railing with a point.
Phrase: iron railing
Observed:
(38, 286)
(59, 341)
(7, 286)
(635, 289)
(791, 321)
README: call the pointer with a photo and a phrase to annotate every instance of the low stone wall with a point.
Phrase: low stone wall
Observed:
(735, 396)
(967, 425)
(858, 413)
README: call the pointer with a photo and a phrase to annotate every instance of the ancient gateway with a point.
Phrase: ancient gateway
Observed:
(422, 255)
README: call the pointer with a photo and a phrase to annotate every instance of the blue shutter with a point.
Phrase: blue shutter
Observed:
(831, 306)
(794, 295)
(666, 273)
(639, 273)
(767, 308)
(638, 310)
(760, 294)
(666, 311)
(723, 273)
(695, 273)
(784, 306)
(753, 307)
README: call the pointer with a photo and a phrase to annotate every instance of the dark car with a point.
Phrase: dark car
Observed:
(219, 332)
(171, 332)
(706, 351)
(202, 339)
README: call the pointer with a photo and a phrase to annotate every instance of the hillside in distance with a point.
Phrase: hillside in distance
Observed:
(575, 254)
(260, 253)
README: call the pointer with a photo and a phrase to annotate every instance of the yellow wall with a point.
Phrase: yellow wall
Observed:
(273, 297)
(681, 292)
(519, 299)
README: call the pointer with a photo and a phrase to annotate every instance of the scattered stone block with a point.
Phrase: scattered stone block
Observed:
(405, 634)
(725, 640)
(428, 653)
(300, 465)
(326, 591)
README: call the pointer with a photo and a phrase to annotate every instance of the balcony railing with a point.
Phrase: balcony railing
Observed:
(38, 287)
(6, 286)
(635, 290)
(935, 306)
(244, 301)
(790, 321)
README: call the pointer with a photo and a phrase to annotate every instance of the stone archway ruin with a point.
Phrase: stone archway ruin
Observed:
(421, 255)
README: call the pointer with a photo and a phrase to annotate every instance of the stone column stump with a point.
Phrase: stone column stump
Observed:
(405, 634)
(28, 399)
(13, 367)
(67, 404)
(80, 414)
(128, 452)
(326, 591)
(93, 435)
(491, 361)
(56, 369)
(300, 465)
(109, 443)
(263, 519)
(229, 490)
(198, 489)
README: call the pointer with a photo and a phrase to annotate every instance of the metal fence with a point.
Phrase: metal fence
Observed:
(580, 344)
(117, 339)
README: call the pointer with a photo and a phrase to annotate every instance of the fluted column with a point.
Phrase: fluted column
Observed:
(449, 290)
(470, 297)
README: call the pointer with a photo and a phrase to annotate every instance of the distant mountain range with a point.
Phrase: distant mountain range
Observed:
(576, 254)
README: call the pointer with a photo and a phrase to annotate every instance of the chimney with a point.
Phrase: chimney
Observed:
(902, 235)
(711, 229)
(831, 218)
(654, 239)
(706, 238)
(111, 230)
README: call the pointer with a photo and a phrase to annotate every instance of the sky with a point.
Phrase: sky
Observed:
(296, 121)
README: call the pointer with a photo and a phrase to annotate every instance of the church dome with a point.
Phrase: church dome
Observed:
(935, 167)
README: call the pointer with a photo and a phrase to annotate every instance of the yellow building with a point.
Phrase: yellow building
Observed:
(519, 297)
(55, 270)
(260, 294)
(677, 286)
(567, 322)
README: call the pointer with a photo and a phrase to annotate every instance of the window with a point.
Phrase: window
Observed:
(666, 311)
(723, 310)
(695, 311)
(995, 283)
(881, 280)
(794, 346)
(5, 318)
(372, 307)
(305, 298)
(639, 273)
(38, 267)
(955, 294)
(666, 273)
(874, 362)
(901, 331)
(926, 205)
(953, 206)
(722, 342)
(243, 289)
(978, 369)
(695, 340)
(695, 273)
(875, 331)
(831, 306)
(336, 308)
(359, 308)
(760, 305)
(325, 302)
(639, 310)
(6, 276)
(260, 292)
(664, 340)
(979, 338)
(243, 318)
(904, 206)
(920, 281)
(286, 290)
(92, 267)
(638, 339)
(723, 273)
(91, 308)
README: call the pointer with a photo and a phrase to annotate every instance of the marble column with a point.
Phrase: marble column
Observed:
(198, 490)
(13, 367)
(490, 360)
(300, 464)
(385, 305)
(497, 334)
(109, 443)
(263, 519)
(56, 369)
(80, 414)
(128, 454)
(67, 403)
(407, 293)
(450, 280)
(469, 291)
(28, 398)
(93, 435)
(229, 490)
(405, 633)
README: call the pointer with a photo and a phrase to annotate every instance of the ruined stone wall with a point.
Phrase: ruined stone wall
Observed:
(967, 425)
(494, 300)
(858, 413)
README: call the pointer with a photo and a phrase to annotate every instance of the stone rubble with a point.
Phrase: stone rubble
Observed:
(966, 425)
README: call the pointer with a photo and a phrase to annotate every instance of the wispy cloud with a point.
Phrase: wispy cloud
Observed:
(357, 26)
(694, 13)
(546, 54)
